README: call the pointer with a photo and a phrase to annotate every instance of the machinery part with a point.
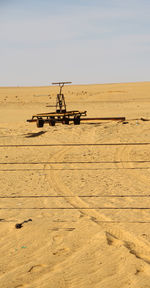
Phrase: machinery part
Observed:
(60, 104)
(52, 122)
(65, 121)
(55, 114)
(39, 122)
(60, 101)
(19, 225)
(77, 120)
(104, 119)
(70, 116)
(61, 83)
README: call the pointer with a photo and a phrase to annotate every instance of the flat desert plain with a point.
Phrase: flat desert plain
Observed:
(85, 187)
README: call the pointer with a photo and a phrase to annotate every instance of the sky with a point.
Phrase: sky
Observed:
(83, 41)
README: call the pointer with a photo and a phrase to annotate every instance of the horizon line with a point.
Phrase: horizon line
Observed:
(88, 84)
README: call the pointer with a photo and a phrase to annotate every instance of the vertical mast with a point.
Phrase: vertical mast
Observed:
(60, 100)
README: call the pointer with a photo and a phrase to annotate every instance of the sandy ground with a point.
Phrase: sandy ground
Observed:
(89, 204)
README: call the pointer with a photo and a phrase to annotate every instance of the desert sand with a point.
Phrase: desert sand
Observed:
(89, 203)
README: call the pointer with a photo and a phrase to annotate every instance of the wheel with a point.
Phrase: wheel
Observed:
(77, 120)
(52, 122)
(66, 121)
(40, 122)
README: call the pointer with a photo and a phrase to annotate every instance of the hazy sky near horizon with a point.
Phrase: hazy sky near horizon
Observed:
(83, 41)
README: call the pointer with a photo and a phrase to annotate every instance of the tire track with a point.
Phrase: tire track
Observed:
(140, 180)
(141, 247)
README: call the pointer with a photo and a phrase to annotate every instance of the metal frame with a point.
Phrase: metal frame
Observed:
(60, 100)
(64, 116)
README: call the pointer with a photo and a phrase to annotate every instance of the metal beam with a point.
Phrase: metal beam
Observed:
(61, 83)
(104, 118)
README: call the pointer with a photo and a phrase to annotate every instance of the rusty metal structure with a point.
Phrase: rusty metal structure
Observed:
(60, 100)
(62, 115)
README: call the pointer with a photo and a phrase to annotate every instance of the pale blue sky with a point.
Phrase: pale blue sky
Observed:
(83, 41)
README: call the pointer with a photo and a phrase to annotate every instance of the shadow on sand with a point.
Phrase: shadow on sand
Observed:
(30, 135)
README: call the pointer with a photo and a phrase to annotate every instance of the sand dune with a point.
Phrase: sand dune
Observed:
(89, 203)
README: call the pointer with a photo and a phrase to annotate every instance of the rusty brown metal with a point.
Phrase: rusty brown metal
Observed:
(60, 99)
(104, 119)
(82, 119)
